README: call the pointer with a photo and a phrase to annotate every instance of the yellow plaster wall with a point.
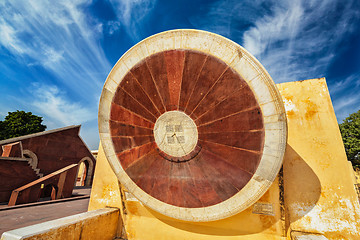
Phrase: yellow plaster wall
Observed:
(141, 222)
(105, 191)
(319, 192)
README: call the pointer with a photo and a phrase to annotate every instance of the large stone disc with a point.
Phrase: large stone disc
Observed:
(192, 125)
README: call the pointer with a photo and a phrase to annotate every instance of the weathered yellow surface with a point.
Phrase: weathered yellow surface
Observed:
(144, 223)
(319, 192)
(141, 222)
(100, 224)
(105, 191)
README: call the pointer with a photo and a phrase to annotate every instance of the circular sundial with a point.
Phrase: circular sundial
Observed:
(192, 125)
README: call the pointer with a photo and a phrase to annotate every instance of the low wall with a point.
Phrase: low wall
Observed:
(98, 224)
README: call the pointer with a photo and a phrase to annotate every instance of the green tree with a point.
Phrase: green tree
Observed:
(20, 123)
(350, 132)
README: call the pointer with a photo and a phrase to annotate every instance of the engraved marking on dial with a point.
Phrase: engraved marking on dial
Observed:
(175, 133)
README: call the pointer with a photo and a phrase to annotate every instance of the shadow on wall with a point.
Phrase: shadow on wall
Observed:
(243, 223)
(237, 225)
(302, 188)
(302, 191)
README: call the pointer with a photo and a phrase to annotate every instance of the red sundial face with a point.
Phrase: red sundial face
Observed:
(186, 128)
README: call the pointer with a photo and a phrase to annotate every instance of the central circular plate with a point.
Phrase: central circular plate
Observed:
(175, 133)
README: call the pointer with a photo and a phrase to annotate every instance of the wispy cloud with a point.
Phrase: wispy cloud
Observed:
(113, 26)
(293, 39)
(8, 37)
(62, 40)
(56, 35)
(53, 103)
(131, 14)
(299, 40)
(60, 46)
(345, 95)
(65, 40)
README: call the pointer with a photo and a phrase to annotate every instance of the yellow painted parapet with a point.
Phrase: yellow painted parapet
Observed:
(100, 224)
(319, 192)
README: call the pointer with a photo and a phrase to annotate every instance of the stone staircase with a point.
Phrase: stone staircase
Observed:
(34, 167)
(15, 150)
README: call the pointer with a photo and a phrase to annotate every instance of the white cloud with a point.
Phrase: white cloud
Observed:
(57, 109)
(132, 10)
(8, 38)
(52, 56)
(131, 13)
(296, 42)
(113, 26)
(345, 95)
(56, 35)
(64, 39)
(60, 37)
(293, 39)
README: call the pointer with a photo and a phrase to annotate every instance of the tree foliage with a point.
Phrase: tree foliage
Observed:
(20, 123)
(350, 132)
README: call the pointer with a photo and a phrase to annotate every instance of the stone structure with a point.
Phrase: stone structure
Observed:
(193, 135)
(27, 158)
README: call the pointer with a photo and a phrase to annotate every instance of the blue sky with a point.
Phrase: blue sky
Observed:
(55, 55)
